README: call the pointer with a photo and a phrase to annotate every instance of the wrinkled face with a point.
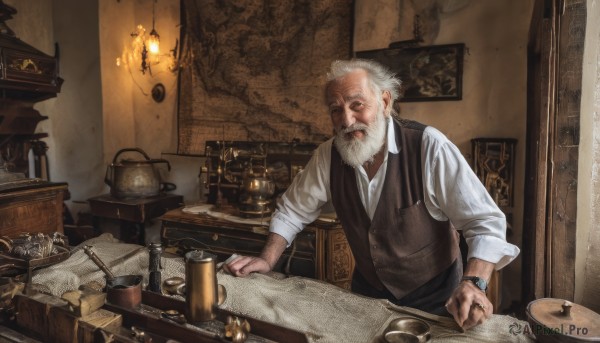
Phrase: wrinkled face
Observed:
(350, 101)
(358, 116)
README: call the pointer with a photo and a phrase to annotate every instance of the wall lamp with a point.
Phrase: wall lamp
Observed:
(145, 51)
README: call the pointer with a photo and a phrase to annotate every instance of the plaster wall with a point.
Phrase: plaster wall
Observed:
(587, 260)
(117, 21)
(131, 117)
(74, 126)
(493, 103)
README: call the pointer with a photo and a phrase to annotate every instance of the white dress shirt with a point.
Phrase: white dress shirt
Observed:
(451, 191)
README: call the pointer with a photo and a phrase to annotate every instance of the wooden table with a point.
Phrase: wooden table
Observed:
(321, 251)
(132, 214)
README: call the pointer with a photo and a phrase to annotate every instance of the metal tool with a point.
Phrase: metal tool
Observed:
(154, 266)
(88, 250)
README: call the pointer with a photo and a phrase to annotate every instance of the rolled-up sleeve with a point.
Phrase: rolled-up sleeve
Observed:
(453, 191)
(301, 203)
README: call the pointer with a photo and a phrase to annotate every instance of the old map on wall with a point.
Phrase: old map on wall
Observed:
(255, 69)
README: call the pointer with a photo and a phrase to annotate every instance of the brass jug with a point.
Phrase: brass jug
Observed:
(201, 296)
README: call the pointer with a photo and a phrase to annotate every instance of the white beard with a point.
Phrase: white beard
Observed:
(356, 152)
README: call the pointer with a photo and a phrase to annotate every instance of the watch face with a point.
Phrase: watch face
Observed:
(477, 281)
(480, 283)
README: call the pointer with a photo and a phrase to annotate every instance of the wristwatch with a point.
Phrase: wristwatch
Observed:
(477, 281)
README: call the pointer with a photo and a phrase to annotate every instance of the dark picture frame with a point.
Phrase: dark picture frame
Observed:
(428, 73)
(494, 165)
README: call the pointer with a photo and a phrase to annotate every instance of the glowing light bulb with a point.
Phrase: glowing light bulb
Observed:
(154, 43)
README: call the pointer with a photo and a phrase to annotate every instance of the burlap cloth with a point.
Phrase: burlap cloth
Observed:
(324, 312)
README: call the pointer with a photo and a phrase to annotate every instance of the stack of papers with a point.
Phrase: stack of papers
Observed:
(209, 209)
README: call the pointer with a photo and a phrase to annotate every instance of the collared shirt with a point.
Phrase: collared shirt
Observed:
(451, 191)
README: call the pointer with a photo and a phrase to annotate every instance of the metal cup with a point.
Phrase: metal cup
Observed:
(201, 286)
(125, 291)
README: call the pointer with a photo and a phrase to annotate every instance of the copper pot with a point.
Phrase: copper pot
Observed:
(124, 291)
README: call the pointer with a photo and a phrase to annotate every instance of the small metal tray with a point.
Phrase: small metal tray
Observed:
(10, 262)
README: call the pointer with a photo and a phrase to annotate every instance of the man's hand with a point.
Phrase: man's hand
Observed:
(469, 306)
(245, 265)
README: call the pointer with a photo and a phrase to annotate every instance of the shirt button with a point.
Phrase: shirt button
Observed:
(374, 247)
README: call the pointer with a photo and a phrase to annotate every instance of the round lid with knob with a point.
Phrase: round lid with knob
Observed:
(558, 320)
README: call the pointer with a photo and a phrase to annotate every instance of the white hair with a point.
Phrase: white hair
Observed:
(381, 77)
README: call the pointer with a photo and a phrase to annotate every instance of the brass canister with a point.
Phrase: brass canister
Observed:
(201, 286)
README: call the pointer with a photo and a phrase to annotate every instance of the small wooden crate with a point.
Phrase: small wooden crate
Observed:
(33, 312)
(99, 319)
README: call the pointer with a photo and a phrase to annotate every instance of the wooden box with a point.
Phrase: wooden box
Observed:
(99, 319)
(50, 318)
(32, 208)
(33, 312)
(63, 325)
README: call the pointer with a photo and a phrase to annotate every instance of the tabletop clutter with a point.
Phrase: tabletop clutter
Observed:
(128, 293)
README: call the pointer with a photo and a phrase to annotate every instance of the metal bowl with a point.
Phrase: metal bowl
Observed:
(411, 326)
(400, 337)
(174, 285)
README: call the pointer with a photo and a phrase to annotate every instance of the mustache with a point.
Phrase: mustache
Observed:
(353, 127)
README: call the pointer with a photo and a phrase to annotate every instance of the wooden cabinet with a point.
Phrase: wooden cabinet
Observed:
(321, 251)
(27, 76)
(26, 72)
(32, 208)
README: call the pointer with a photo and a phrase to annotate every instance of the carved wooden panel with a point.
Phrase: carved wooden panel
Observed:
(25, 67)
(340, 263)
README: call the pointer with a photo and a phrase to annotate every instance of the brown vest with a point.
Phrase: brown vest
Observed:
(403, 247)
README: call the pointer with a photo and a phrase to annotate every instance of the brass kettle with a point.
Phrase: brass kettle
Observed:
(135, 178)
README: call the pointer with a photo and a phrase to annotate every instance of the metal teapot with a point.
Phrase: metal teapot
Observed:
(135, 178)
(259, 187)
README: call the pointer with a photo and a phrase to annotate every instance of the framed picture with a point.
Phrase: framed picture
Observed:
(428, 73)
(493, 163)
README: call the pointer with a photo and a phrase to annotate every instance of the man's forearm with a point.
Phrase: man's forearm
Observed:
(273, 248)
(480, 268)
